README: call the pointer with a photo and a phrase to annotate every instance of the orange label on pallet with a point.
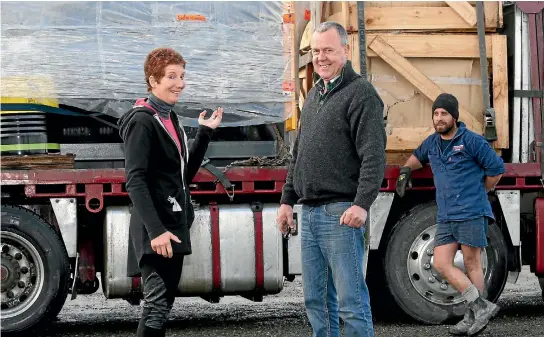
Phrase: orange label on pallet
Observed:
(289, 18)
(191, 17)
(288, 86)
(307, 15)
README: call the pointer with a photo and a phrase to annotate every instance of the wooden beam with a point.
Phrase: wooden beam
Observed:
(402, 139)
(465, 10)
(315, 8)
(306, 39)
(421, 18)
(397, 158)
(38, 162)
(303, 60)
(429, 46)
(493, 14)
(418, 79)
(500, 90)
(291, 78)
(345, 15)
(430, 18)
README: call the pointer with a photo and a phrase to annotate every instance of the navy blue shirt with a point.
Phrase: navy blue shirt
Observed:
(459, 171)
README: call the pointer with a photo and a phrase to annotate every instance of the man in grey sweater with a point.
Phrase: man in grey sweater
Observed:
(336, 172)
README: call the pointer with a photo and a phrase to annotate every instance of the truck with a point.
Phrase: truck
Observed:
(65, 209)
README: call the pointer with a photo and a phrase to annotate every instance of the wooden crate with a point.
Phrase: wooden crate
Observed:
(441, 16)
(410, 70)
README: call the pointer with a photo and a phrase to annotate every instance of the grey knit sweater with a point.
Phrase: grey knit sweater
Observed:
(339, 152)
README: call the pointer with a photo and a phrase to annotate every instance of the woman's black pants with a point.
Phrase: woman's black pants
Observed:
(160, 279)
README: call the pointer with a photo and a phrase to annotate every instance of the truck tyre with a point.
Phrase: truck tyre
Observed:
(35, 270)
(541, 281)
(417, 288)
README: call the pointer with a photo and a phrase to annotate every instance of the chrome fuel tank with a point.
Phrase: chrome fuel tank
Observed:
(237, 249)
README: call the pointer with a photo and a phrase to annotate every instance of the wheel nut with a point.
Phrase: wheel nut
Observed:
(21, 284)
(24, 270)
(10, 294)
(432, 279)
(443, 287)
(18, 256)
(429, 252)
(5, 249)
(427, 266)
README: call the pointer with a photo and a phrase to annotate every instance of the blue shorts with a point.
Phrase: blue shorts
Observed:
(471, 232)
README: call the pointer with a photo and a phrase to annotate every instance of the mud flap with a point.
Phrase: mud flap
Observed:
(510, 201)
(375, 224)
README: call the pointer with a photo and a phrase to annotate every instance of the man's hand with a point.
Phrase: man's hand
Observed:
(354, 216)
(491, 182)
(404, 180)
(162, 246)
(285, 218)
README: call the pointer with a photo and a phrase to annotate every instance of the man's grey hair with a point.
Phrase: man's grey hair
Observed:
(325, 26)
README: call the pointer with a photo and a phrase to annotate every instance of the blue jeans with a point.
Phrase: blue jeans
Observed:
(332, 271)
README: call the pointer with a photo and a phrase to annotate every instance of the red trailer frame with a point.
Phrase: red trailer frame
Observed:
(95, 184)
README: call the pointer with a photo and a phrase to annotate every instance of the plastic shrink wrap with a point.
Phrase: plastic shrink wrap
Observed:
(90, 55)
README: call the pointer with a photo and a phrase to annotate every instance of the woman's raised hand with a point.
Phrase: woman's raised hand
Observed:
(213, 121)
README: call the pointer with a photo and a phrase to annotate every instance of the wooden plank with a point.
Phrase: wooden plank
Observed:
(316, 14)
(500, 90)
(308, 80)
(400, 157)
(402, 139)
(306, 37)
(424, 45)
(397, 158)
(420, 18)
(303, 60)
(291, 76)
(500, 24)
(465, 10)
(345, 14)
(493, 14)
(38, 162)
(418, 79)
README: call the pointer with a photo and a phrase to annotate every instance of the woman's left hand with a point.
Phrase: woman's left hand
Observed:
(213, 121)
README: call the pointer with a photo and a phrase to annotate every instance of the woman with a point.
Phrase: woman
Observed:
(159, 167)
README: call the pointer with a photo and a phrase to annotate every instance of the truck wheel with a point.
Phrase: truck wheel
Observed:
(35, 270)
(416, 286)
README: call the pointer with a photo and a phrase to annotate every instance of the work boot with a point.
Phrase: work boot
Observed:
(464, 325)
(484, 311)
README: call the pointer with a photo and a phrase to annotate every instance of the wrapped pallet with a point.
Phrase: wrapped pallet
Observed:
(89, 55)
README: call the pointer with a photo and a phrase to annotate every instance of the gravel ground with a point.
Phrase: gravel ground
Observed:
(283, 315)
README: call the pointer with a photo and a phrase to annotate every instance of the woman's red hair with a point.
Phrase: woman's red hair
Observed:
(157, 60)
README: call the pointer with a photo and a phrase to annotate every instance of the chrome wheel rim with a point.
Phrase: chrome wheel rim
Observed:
(22, 273)
(425, 279)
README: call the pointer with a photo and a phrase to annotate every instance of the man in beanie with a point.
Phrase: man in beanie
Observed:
(465, 169)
